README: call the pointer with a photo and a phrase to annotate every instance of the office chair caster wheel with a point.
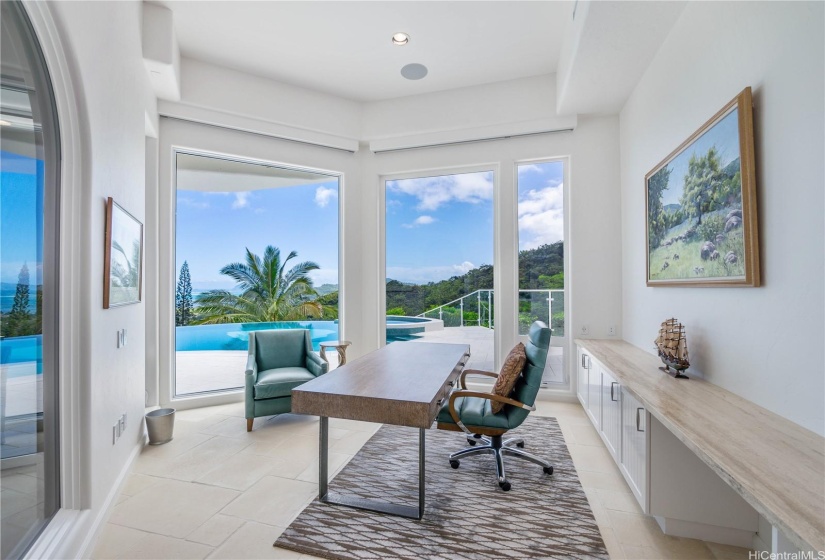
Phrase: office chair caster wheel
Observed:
(471, 441)
(454, 463)
(548, 470)
(520, 444)
(504, 485)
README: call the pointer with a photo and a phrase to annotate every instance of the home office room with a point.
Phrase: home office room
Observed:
(308, 279)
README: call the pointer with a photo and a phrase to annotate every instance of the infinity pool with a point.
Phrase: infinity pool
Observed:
(235, 336)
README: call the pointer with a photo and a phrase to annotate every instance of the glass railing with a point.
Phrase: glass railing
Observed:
(476, 309)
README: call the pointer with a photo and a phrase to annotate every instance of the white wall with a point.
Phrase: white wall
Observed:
(101, 42)
(765, 344)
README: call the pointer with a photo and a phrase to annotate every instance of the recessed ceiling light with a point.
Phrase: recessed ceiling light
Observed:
(5, 123)
(400, 38)
(414, 71)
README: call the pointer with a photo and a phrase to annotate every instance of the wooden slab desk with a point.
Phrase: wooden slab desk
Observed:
(404, 384)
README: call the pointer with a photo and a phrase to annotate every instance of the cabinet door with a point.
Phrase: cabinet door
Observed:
(634, 446)
(594, 392)
(583, 378)
(611, 414)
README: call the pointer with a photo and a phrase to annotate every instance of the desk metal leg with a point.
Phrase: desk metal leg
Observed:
(327, 497)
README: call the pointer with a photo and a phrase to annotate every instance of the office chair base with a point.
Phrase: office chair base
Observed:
(499, 448)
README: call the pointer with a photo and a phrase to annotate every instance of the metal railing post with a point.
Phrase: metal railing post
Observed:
(478, 296)
(461, 307)
(549, 307)
(489, 309)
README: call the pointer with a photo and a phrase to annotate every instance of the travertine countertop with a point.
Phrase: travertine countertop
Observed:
(776, 465)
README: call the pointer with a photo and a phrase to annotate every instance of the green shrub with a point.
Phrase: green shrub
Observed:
(396, 311)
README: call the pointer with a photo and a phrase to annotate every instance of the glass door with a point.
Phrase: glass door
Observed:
(439, 262)
(29, 156)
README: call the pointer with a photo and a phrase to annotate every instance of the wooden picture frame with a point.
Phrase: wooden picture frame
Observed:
(700, 206)
(123, 257)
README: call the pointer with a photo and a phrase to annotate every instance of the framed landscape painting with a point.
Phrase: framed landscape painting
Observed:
(701, 206)
(123, 258)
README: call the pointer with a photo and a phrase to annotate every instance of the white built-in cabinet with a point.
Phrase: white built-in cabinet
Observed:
(614, 412)
(668, 480)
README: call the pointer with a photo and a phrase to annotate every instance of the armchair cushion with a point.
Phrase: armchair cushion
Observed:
(279, 382)
(510, 371)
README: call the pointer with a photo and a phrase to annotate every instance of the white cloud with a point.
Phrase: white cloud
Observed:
(324, 276)
(432, 192)
(186, 201)
(324, 195)
(420, 221)
(424, 274)
(529, 168)
(241, 200)
(541, 217)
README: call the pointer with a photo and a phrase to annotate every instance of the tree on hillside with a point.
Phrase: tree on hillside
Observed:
(270, 292)
(703, 178)
(184, 305)
(657, 223)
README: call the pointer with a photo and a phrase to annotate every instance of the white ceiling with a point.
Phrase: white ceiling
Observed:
(344, 48)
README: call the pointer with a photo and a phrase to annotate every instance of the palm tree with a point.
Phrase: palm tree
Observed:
(270, 292)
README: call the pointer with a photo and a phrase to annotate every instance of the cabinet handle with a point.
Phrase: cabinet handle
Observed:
(439, 402)
(451, 383)
(638, 411)
(584, 361)
(612, 384)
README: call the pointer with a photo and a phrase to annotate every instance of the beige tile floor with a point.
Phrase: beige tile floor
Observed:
(216, 491)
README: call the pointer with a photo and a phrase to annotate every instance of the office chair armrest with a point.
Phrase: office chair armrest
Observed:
(461, 378)
(481, 395)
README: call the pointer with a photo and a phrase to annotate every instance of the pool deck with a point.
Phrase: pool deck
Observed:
(200, 371)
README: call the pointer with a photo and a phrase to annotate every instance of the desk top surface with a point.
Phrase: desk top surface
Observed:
(776, 465)
(396, 384)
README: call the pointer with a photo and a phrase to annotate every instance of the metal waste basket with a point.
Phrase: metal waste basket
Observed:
(160, 424)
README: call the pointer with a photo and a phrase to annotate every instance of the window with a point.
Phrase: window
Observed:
(541, 257)
(29, 156)
(439, 262)
(256, 248)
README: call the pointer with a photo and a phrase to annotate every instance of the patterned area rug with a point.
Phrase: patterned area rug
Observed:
(466, 516)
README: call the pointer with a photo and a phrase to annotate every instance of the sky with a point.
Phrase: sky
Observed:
(215, 228)
(724, 135)
(21, 216)
(442, 226)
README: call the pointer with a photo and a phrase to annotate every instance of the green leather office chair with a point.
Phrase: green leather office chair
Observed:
(469, 411)
(279, 361)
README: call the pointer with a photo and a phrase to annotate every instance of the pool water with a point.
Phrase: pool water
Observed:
(235, 336)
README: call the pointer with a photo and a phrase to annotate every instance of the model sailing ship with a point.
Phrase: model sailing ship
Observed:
(672, 346)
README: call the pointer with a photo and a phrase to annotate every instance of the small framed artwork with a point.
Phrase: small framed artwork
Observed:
(123, 257)
(701, 206)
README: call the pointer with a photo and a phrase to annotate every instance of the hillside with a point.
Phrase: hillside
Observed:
(542, 267)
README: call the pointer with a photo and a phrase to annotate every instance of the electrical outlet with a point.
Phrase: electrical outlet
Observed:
(585, 329)
(611, 331)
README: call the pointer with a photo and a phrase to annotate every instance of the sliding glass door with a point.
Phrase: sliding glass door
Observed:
(29, 171)
(439, 262)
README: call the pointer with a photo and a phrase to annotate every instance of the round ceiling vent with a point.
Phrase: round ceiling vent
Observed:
(414, 71)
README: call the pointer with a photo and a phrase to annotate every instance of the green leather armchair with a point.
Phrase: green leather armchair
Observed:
(470, 412)
(279, 361)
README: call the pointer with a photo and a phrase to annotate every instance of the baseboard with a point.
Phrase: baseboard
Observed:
(73, 533)
(701, 531)
(105, 512)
